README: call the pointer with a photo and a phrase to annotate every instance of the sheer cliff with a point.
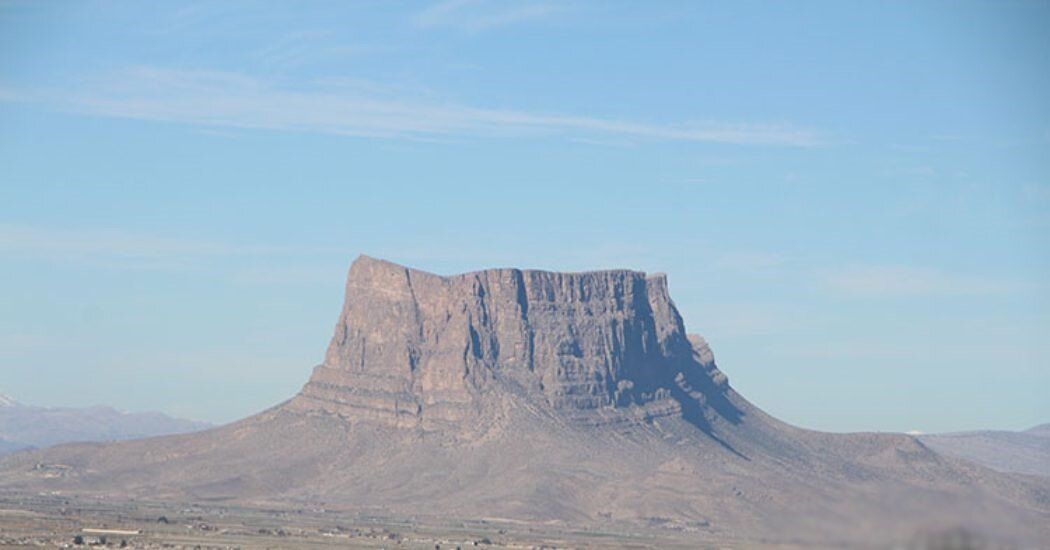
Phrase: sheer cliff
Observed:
(414, 349)
(542, 396)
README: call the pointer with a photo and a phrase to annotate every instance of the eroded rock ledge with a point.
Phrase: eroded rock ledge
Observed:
(416, 349)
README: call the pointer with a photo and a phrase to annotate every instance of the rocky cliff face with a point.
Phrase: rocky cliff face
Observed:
(537, 396)
(416, 349)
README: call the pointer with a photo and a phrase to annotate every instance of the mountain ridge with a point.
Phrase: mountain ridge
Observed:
(1021, 452)
(29, 426)
(542, 396)
(412, 346)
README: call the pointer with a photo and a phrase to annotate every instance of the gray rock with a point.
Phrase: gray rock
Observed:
(539, 396)
(414, 349)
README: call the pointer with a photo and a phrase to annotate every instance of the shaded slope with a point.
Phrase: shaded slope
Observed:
(1026, 452)
(544, 396)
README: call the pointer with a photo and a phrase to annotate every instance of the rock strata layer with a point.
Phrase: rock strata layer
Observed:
(547, 397)
(415, 349)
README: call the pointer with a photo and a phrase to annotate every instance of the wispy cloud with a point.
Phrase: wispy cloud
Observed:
(280, 275)
(750, 319)
(307, 47)
(1036, 192)
(480, 15)
(901, 281)
(101, 245)
(125, 250)
(14, 342)
(233, 100)
(753, 263)
(8, 94)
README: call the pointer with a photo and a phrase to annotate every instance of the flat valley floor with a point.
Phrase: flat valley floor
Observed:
(54, 521)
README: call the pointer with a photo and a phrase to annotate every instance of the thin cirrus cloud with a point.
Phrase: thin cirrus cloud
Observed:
(219, 99)
(480, 15)
(751, 262)
(72, 244)
(110, 248)
(902, 281)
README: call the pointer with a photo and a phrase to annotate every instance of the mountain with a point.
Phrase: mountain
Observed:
(537, 396)
(1025, 452)
(23, 426)
(10, 446)
(1042, 430)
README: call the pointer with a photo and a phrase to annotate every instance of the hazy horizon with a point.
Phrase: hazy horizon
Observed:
(851, 201)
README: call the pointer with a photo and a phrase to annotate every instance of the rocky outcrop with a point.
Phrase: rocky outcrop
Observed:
(416, 349)
(538, 396)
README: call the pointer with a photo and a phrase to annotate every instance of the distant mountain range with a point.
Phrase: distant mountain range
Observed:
(25, 426)
(1026, 452)
(9, 446)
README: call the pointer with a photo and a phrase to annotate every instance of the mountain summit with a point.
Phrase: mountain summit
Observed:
(417, 350)
(541, 396)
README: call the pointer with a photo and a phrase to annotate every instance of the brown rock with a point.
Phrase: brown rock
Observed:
(538, 396)
(415, 349)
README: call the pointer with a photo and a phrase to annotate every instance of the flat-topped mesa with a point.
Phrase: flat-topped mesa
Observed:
(417, 349)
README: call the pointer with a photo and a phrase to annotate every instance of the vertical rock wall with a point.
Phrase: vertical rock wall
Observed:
(416, 348)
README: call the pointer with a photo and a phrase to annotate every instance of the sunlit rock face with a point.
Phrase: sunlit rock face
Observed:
(546, 397)
(420, 350)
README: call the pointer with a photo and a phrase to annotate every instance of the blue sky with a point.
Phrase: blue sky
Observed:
(851, 199)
